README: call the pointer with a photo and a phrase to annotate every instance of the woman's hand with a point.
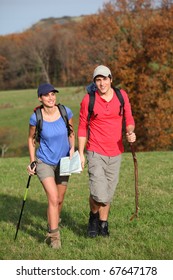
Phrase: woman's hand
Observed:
(32, 168)
(71, 152)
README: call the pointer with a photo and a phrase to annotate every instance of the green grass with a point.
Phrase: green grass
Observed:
(15, 109)
(148, 237)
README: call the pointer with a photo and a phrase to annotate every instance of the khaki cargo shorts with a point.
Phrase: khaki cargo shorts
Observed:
(44, 170)
(103, 176)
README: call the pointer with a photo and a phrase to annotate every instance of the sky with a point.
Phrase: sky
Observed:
(18, 15)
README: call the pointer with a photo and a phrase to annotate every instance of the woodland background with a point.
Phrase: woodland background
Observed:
(132, 37)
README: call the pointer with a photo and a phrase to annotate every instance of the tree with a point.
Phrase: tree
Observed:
(4, 141)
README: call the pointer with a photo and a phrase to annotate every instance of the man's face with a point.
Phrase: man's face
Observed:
(103, 83)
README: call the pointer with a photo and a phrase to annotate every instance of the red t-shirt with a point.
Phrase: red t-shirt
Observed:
(105, 124)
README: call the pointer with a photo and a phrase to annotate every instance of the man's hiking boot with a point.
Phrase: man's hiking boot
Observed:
(53, 239)
(103, 228)
(93, 224)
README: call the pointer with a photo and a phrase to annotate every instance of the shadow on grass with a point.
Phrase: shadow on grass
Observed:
(34, 220)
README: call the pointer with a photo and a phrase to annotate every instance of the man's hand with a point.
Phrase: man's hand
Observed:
(131, 137)
(82, 158)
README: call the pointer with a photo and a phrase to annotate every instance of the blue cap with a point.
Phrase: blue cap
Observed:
(45, 88)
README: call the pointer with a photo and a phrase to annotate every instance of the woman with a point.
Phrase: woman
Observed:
(54, 144)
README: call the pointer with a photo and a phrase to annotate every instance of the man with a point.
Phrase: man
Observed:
(103, 147)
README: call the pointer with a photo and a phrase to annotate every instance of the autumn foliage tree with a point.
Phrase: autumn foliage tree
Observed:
(130, 36)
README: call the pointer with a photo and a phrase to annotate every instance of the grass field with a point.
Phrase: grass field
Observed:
(148, 237)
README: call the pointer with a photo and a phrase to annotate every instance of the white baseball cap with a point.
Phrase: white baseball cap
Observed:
(101, 70)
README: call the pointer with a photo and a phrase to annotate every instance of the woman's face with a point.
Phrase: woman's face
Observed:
(49, 99)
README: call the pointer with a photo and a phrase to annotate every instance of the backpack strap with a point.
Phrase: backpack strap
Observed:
(64, 115)
(91, 104)
(91, 91)
(39, 123)
(121, 99)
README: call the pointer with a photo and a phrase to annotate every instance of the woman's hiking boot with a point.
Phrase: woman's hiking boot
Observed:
(103, 228)
(48, 227)
(93, 224)
(53, 239)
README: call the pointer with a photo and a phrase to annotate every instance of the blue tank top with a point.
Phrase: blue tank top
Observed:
(54, 142)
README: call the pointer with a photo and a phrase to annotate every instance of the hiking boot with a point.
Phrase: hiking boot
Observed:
(53, 239)
(103, 228)
(93, 225)
(48, 227)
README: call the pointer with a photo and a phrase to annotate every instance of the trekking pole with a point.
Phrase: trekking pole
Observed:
(135, 215)
(24, 199)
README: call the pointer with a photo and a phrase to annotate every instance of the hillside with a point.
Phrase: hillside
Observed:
(48, 22)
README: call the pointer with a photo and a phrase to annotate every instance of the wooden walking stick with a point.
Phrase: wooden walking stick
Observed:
(135, 215)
